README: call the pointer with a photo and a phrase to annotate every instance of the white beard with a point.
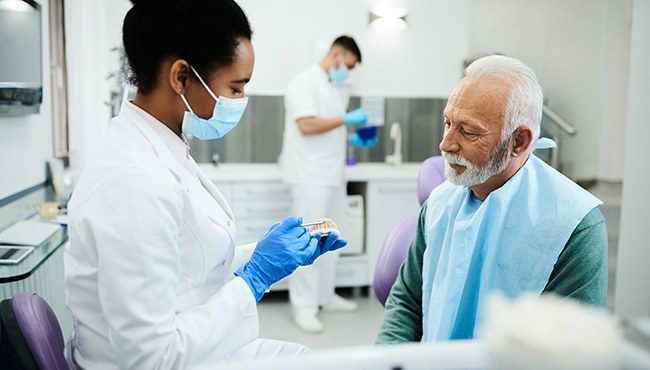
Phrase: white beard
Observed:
(475, 175)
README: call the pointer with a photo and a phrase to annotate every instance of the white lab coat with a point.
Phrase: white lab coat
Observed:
(148, 267)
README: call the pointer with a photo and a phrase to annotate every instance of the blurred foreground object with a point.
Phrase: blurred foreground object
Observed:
(548, 332)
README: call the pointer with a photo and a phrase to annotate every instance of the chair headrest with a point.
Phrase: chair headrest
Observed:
(432, 174)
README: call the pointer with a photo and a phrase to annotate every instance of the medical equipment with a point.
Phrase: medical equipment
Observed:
(365, 137)
(367, 132)
(28, 233)
(324, 227)
(10, 254)
(353, 225)
(307, 224)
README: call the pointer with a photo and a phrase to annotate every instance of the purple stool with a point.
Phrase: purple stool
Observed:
(395, 247)
(31, 335)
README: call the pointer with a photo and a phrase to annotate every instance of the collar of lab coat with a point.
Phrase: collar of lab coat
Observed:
(181, 174)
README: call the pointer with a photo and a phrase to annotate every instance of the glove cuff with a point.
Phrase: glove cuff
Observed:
(248, 273)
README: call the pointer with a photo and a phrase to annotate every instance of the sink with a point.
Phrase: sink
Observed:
(395, 159)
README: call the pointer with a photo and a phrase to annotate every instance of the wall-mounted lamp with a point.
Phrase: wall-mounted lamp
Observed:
(388, 18)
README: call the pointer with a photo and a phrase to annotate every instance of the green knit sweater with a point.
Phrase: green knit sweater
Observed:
(579, 273)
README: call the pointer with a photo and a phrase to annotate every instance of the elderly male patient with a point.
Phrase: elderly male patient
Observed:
(504, 221)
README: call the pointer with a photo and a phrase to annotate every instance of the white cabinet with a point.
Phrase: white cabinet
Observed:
(387, 203)
(257, 206)
(352, 271)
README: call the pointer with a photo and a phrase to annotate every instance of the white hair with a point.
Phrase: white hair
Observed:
(526, 98)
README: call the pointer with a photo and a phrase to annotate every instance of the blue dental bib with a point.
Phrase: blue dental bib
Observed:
(509, 242)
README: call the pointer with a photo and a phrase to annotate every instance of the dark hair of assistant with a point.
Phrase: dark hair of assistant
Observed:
(348, 43)
(203, 32)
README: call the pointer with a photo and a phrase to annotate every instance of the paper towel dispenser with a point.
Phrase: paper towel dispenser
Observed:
(21, 70)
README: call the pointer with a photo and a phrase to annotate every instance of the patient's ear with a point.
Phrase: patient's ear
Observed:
(522, 140)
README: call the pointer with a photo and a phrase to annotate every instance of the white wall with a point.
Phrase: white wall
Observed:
(26, 141)
(423, 61)
(93, 28)
(578, 48)
(580, 52)
(633, 272)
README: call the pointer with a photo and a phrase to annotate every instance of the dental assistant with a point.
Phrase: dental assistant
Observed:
(153, 279)
(313, 161)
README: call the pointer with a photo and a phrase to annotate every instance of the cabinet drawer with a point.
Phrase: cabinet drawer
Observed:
(261, 191)
(270, 209)
(352, 271)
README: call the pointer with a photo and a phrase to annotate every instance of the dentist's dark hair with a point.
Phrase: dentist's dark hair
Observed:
(348, 43)
(203, 32)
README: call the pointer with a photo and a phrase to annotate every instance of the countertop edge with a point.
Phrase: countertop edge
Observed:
(264, 172)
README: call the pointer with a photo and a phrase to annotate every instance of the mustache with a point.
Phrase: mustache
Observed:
(456, 159)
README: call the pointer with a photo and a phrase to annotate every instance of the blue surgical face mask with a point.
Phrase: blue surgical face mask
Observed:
(339, 75)
(226, 115)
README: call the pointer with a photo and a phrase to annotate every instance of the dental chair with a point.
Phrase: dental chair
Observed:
(31, 336)
(395, 247)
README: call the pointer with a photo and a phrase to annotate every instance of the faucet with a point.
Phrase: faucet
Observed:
(396, 135)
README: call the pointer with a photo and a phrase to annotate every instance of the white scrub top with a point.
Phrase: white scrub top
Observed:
(313, 159)
(148, 270)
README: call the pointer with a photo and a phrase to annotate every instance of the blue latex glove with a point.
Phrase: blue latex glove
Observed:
(284, 247)
(355, 117)
(357, 140)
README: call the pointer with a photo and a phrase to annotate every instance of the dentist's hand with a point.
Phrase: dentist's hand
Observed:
(284, 247)
(355, 117)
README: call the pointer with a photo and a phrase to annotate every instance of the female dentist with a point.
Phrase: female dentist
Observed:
(149, 267)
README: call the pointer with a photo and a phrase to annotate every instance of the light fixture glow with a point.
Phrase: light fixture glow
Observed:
(388, 18)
